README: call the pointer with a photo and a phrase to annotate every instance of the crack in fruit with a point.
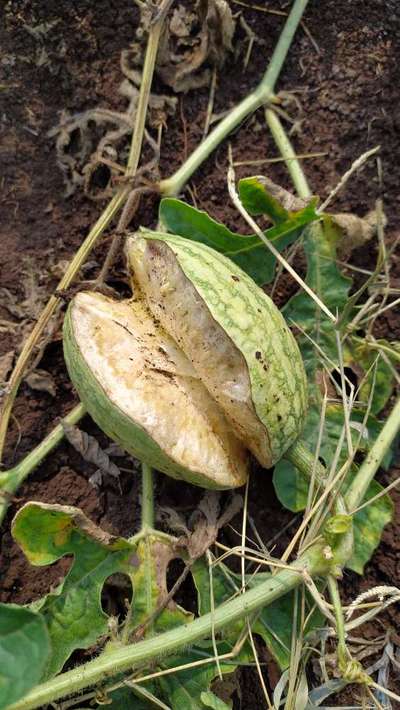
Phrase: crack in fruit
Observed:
(207, 369)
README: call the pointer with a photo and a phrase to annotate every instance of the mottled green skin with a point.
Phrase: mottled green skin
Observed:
(114, 422)
(258, 330)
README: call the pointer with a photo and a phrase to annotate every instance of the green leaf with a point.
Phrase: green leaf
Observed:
(126, 699)
(368, 527)
(363, 435)
(378, 375)
(212, 701)
(248, 252)
(316, 334)
(368, 523)
(257, 200)
(290, 485)
(183, 690)
(73, 613)
(274, 623)
(324, 277)
(24, 651)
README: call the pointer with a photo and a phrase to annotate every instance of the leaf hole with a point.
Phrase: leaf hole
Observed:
(350, 377)
(186, 594)
(116, 595)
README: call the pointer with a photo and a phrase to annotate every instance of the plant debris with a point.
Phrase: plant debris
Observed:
(91, 451)
(205, 522)
(355, 231)
(42, 381)
(194, 39)
(6, 362)
(93, 162)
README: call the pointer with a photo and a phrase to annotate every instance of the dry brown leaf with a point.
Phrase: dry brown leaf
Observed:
(353, 231)
(204, 524)
(192, 39)
(356, 231)
(79, 158)
(42, 381)
(6, 362)
(90, 449)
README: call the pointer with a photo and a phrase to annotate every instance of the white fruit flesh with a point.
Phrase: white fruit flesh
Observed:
(145, 375)
(182, 312)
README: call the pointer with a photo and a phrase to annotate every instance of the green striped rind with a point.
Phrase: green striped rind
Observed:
(258, 330)
(112, 420)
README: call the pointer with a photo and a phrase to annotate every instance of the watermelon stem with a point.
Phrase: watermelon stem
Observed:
(147, 497)
(10, 480)
(262, 94)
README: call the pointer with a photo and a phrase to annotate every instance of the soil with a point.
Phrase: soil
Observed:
(343, 70)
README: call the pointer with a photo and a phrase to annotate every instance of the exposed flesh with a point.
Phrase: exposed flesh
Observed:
(145, 375)
(177, 305)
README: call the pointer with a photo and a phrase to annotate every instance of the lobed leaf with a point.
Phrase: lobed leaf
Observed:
(73, 613)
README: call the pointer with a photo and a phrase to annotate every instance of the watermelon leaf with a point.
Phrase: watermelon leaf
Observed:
(73, 613)
(24, 651)
(247, 251)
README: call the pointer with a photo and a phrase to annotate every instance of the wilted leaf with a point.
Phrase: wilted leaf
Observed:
(258, 200)
(149, 581)
(42, 381)
(301, 696)
(353, 231)
(194, 37)
(24, 650)
(248, 252)
(287, 200)
(90, 449)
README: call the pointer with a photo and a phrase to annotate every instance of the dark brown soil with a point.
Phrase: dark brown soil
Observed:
(347, 97)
